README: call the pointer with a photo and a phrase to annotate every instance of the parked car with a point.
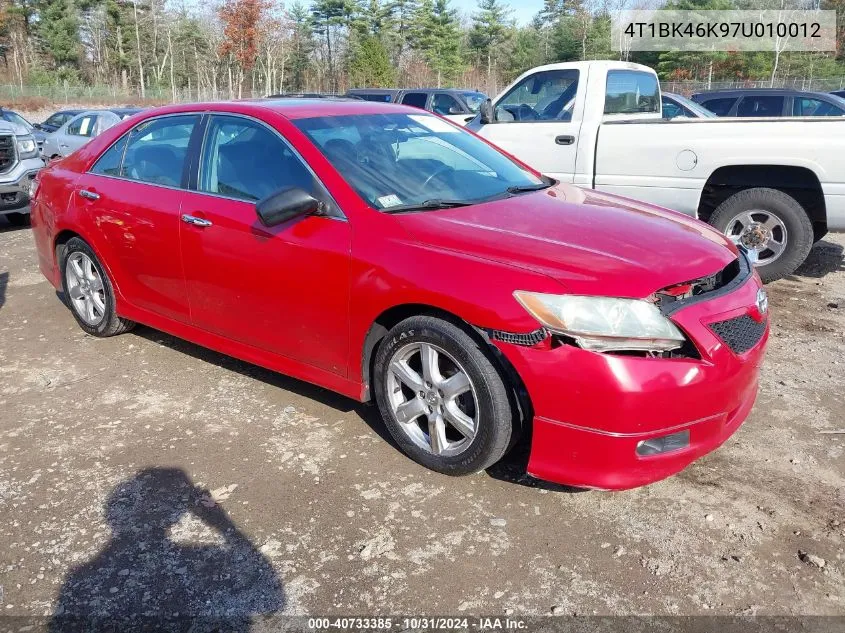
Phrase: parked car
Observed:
(770, 185)
(19, 163)
(57, 120)
(459, 106)
(22, 126)
(77, 131)
(389, 255)
(770, 102)
(679, 107)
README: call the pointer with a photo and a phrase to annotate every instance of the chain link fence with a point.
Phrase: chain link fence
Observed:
(56, 94)
(813, 85)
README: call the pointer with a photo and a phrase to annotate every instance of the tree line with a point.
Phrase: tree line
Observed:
(237, 48)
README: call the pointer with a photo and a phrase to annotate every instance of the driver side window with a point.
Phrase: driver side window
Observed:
(543, 96)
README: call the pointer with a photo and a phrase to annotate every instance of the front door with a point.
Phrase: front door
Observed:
(284, 289)
(536, 122)
(134, 192)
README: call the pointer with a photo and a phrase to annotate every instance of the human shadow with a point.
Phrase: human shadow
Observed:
(148, 578)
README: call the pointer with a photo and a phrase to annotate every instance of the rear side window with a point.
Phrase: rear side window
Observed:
(804, 106)
(109, 163)
(157, 149)
(721, 106)
(379, 98)
(760, 105)
(415, 99)
(631, 92)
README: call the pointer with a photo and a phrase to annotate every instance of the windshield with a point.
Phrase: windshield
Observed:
(474, 100)
(407, 160)
(17, 119)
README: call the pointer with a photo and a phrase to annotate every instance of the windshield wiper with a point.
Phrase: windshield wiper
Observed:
(434, 203)
(526, 188)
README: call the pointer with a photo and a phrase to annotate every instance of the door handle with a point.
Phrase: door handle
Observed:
(565, 140)
(90, 195)
(192, 219)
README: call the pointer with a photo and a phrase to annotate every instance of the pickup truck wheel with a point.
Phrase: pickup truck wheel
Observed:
(88, 291)
(771, 223)
(441, 398)
(18, 219)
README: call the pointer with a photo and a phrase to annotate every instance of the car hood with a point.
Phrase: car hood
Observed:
(591, 242)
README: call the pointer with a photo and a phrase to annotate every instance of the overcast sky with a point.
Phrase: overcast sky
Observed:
(521, 10)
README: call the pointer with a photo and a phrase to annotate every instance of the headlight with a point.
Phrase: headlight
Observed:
(27, 147)
(604, 323)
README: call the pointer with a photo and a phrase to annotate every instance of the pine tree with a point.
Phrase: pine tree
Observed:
(369, 66)
(436, 34)
(58, 29)
(489, 31)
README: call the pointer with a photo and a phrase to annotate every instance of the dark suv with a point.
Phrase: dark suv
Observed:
(770, 102)
(457, 105)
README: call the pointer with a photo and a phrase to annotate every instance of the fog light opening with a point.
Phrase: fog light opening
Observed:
(664, 444)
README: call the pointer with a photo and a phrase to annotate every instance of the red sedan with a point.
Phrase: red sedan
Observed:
(388, 255)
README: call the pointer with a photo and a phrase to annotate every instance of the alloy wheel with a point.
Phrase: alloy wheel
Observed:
(85, 288)
(433, 399)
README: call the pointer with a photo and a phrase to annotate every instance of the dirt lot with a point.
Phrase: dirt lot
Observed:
(108, 449)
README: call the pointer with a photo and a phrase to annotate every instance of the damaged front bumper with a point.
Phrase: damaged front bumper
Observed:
(615, 421)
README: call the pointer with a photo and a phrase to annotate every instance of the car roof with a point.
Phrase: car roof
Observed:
(293, 108)
(737, 92)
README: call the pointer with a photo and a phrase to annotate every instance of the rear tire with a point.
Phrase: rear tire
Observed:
(18, 219)
(89, 292)
(790, 224)
(451, 434)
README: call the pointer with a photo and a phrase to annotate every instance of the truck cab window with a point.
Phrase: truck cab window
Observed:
(543, 96)
(631, 92)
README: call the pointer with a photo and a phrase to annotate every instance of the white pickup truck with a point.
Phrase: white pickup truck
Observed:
(773, 185)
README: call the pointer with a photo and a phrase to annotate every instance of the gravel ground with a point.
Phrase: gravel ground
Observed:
(142, 474)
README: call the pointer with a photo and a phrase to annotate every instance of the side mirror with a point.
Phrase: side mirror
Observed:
(285, 205)
(488, 115)
(455, 110)
(37, 126)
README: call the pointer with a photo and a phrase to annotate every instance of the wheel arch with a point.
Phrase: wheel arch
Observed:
(397, 313)
(799, 182)
(62, 238)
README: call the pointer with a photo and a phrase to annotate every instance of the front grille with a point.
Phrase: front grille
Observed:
(673, 298)
(740, 333)
(7, 153)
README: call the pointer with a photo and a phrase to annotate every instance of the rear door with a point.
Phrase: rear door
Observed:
(415, 99)
(134, 192)
(283, 289)
(720, 106)
(77, 133)
(763, 105)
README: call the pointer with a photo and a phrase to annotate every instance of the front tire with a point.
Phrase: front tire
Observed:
(441, 397)
(770, 222)
(89, 292)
